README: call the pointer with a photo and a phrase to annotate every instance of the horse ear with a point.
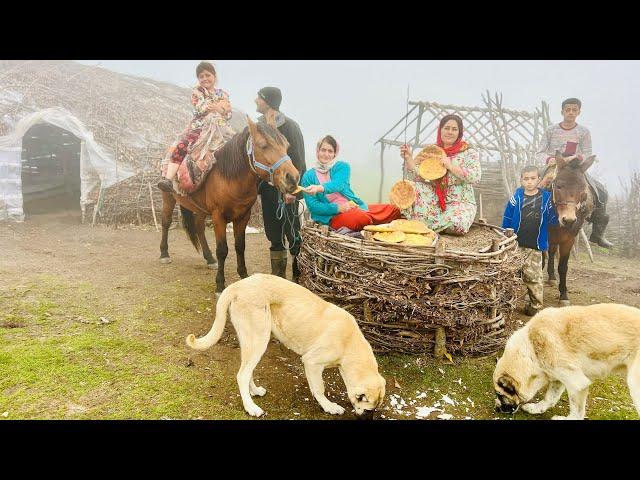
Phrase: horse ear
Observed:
(586, 164)
(560, 160)
(271, 118)
(252, 127)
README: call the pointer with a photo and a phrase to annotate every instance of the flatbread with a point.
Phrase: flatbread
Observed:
(390, 237)
(409, 226)
(403, 194)
(430, 167)
(418, 240)
(379, 228)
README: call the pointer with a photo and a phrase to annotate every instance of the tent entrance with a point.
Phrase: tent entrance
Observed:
(50, 169)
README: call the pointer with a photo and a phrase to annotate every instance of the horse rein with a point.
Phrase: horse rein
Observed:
(253, 163)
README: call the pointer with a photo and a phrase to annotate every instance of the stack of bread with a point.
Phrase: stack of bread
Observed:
(403, 232)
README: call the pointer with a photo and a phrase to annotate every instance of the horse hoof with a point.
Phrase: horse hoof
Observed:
(553, 283)
(212, 266)
(565, 303)
(165, 260)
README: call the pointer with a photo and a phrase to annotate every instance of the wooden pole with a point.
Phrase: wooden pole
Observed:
(381, 172)
(153, 208)
(440, 349)
(586, 242)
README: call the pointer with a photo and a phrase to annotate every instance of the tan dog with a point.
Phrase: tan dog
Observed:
(568, 348)
(324, 334)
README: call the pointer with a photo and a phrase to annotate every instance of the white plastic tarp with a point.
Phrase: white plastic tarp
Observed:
(11, 185)
(97, 164)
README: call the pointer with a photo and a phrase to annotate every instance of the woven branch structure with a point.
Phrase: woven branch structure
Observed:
(459, 294)
(624, 209)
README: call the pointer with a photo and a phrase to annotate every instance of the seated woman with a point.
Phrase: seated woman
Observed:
(447, 204)
(329, 197)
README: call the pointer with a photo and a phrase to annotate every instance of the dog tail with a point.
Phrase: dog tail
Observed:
(219, 323)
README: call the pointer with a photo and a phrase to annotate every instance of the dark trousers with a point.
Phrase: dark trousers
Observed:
(274, 227)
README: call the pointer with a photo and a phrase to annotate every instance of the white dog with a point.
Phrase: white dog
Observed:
(323, 334)
(568, 348)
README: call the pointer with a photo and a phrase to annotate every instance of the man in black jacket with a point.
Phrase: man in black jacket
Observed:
(268, 104)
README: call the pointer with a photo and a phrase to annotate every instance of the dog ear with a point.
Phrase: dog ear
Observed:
(506, 385)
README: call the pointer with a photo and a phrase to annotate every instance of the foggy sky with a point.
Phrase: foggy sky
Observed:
(358, 101)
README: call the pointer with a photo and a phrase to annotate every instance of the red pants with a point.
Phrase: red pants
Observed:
(356, 219)
(182, 146)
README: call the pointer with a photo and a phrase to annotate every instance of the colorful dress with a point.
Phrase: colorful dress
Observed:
(324, 206)
(206, 132)
(460, 209)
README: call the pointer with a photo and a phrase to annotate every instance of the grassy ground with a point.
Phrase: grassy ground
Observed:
(89, 338)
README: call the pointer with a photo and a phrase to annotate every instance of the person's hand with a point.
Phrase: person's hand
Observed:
(219, 107)
(446, 161)
(345, 207)
(406, 152)
(289, 199)
(569, 158)
(313, 189)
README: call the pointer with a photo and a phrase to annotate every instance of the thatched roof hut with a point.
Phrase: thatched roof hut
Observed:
(58, 118)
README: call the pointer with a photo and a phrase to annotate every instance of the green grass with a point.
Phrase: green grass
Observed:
(57, 362)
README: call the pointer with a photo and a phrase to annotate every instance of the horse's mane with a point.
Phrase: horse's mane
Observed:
(231, 159)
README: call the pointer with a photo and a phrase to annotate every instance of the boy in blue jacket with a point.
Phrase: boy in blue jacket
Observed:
(529, 212)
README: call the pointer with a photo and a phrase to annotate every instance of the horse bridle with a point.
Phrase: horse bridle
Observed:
(253, 163)
(578, 205)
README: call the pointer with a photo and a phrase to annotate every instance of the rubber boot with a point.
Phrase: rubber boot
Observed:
(165, 185)
(279, 263)
(295, 270)
(599, 221)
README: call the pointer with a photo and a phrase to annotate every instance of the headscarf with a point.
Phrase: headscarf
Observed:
(442, 184)
(325, 167)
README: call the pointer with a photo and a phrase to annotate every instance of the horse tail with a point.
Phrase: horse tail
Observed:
(211, 338)
(189, 223)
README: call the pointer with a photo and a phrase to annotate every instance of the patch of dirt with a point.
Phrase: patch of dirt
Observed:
(122, 266)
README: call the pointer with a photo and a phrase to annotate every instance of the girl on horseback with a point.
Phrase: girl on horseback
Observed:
(208, 130)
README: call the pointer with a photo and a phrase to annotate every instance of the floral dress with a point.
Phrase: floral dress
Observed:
(206, 132)
(461, 206)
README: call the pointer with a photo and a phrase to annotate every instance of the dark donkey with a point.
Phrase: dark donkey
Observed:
(573, 202)
(229, 192)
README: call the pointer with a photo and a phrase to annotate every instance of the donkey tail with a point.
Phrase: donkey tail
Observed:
(189, 223)
(211, 338)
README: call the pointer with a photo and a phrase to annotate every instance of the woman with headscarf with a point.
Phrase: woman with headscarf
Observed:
(328, 194)
(208, 130)
(447, 204)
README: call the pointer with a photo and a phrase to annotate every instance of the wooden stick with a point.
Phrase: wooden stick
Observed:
(153, 208)
(586, 241)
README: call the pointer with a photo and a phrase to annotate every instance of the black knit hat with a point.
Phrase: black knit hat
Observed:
(272, 96)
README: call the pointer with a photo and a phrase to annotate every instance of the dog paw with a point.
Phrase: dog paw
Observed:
(333, 409)
(532, 408)
(258, 392)
(254, 411)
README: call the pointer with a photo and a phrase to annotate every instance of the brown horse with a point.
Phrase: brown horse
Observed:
(229, 192)
(573, 202)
